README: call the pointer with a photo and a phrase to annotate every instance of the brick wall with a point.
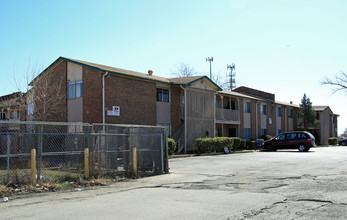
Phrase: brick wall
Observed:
(92, 95)
(136, 99)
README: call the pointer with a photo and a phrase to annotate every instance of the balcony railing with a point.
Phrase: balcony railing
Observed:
(227, 114)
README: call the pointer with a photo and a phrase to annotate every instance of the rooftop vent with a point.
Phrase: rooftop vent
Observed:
(150, 72)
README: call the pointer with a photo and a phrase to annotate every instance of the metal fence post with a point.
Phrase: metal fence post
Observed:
(99, 145)
(161, 151)
(166, 152)
(8, 157)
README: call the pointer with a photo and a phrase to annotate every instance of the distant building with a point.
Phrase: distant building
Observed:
(11, 107)
(327, 126)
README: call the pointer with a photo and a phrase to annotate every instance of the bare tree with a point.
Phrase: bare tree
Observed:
(339, 83)
(344, 134)
(44, 95)
(183, 70)
(47, 94)
(220, 81)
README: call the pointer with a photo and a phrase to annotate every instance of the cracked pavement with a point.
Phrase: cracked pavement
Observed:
(259, 185)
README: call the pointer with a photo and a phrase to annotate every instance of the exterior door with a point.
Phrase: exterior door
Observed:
(232, 132)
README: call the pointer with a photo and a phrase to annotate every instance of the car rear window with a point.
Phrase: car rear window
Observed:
(302, 136)
(311, 136)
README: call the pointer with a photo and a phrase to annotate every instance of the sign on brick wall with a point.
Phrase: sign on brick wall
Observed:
(114, 112)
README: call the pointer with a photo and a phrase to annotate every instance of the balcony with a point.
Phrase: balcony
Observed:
(227, 116)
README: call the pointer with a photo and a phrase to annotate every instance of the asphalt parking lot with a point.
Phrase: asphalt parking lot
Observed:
(257, 185)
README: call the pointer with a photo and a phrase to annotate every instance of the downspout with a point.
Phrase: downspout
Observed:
(103, 97)
(185, 119)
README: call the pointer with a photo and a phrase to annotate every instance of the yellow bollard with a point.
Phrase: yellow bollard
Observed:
(86, 163)
(33, 167)
(134, 161)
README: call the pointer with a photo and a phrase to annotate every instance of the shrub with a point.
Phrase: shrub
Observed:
(243, 144)
(172, 146)
(237, 142)
(332, 141)
(266, 137)
(208, 145)
(250, 145)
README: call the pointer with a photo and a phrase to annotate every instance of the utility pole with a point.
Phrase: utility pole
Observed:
(231, 75)
(210, 59)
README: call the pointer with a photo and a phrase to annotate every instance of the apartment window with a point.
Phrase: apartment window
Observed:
(30, 109)
(263, 132)
(247, 107)
(218, 103)
(247, 133)
(2, 115)
(162, 95)
(278, 111)
(278, 131)
(290, 113)
(14, 115)
(75, 89)
(263, 109)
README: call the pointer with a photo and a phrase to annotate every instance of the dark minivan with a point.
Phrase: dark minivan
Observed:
(301, 140)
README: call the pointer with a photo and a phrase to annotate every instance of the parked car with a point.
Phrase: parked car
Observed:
(343, 142)
(301, 140)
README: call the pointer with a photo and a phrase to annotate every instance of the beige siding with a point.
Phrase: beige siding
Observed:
(278, 123)
(163, 113)
(324, 127)
(200, 115)
(263, 122)
(203, 84)
(74, 72)
(247, 120)
(74, 106)
(290, 124)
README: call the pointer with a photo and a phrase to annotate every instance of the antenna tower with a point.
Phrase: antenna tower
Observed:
(231, 75)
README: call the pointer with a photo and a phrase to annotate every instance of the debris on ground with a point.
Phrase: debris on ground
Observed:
(12, 188)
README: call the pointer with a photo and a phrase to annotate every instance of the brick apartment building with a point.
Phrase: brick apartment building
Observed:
(189, 107)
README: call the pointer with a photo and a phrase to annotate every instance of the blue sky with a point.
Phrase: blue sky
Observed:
(282, 47)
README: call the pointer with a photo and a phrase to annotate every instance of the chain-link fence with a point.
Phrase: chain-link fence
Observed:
(60, 151)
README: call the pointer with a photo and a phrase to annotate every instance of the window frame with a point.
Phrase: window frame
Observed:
(262, 108)
(15, 114)
(160, 94)
(290, 113)
(247, 133)
(2, 115)
(247, 107)
(76, 93)
(30, 109)
(279, 112)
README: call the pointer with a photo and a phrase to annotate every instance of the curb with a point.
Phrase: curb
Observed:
(210, 154)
